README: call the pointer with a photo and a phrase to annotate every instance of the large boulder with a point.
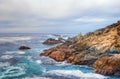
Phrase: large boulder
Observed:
(53, 41)
(24, 48)
(58, 55)
(108, 65)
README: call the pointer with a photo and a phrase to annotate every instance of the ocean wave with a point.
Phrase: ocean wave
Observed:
(64, 63)
(12, 71)
(56, 36)
(48, 61)
(37, 78)
(38, 61)
(75, 74)
(12, 39)
(15, 52)
(20, 52)
(2, 64)
(6, 57)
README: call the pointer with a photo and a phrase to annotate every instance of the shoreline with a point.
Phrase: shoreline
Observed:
(90, 48)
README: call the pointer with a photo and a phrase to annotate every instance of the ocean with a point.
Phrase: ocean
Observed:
(27, 64)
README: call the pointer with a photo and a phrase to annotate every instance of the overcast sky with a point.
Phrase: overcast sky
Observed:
(57, 16)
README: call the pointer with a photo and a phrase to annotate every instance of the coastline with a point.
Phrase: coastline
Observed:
(90, 48)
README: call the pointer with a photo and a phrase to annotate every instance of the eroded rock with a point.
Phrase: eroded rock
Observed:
(108, 65)
(53, 41)
(24, 48)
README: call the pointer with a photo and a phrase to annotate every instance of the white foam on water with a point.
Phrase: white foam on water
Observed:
(15, 52)
(20, 52)
(10, 52)
(6, 57)
(37, 78)
(12, 39)
(28, 57)
(38, 61)
(2, 64)
(76, 73)
(47, 60)
(62, 63)
(13, 72)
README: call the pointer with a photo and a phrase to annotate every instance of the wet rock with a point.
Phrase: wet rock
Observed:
(24, 48)
(58, 55)
(108, 65)
(53, 41)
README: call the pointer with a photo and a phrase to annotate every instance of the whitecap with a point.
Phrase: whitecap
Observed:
(10, 52)
(2, 64)
(47, 60)
(13, 52)
(75, 73)
(62, 63)
(38, 61)
(12, 39)
(20, 52)
(6, 57)
(37, 78)
(12, 71)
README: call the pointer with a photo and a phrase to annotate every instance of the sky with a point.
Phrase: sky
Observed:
(57, 16)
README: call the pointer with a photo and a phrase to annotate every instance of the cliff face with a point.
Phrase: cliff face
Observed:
(108, 65)
(103, 40)
(88, 48)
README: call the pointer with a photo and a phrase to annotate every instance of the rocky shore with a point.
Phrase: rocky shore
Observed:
(99, 49)
(51, 41)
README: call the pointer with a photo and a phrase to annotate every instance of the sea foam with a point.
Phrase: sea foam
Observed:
(12, 71)
(39, 61)
(2, 64)
(37, 78)
(75, 73)
(12, 39)
(6, 57)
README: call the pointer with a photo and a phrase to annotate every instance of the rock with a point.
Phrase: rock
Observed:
(24, 48)
(108, 65)
(86, 49)
(53, 41)
(58, 55)
(73, 59)
(47, 52)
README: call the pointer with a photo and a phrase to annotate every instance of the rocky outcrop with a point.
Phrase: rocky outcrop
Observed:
(24, 48)
(85, 50)
(53, 41)
(58, 55)
(108, 65)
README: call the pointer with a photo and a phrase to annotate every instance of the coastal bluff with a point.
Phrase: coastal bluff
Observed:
(101, 47)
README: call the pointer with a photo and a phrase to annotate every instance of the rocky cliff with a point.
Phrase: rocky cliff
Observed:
(88, 48)
(108, 65)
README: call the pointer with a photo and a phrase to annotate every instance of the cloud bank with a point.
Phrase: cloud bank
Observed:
(46, 16)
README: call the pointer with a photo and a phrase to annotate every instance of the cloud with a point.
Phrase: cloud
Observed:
(58, 8)
(90, 19)
(48, 15)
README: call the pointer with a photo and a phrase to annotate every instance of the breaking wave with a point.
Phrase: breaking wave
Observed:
(12, 71)
(75, 74)
(37, 78)
(12, 39)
